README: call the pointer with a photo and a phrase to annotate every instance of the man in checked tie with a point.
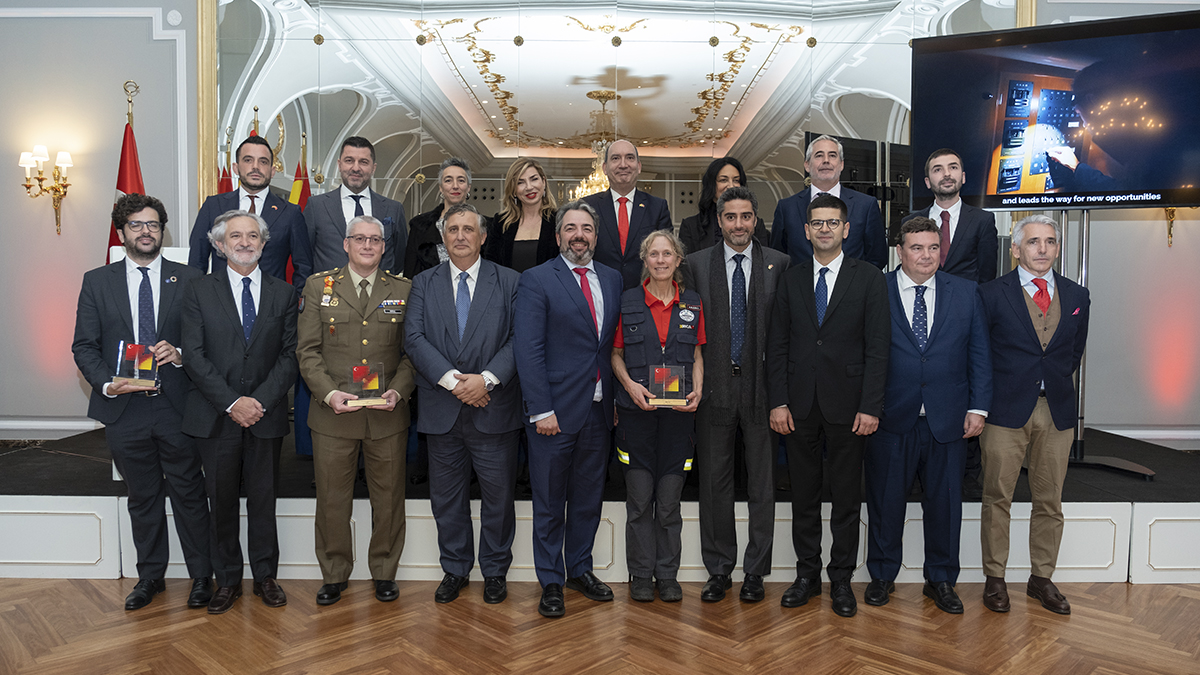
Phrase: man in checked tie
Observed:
(1038, 324)
(939, 389)
(827, 357)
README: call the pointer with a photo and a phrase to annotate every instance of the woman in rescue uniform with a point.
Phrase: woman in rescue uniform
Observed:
(662, 326)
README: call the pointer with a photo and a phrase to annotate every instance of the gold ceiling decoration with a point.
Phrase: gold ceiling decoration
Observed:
(606, 28)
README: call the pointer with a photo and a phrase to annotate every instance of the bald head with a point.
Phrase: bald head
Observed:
(622, 166)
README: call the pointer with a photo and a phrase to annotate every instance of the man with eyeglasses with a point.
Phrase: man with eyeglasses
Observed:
(827, 360)
(137, 301)
(351, 319)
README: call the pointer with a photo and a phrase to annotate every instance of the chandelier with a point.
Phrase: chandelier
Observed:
(603, 128)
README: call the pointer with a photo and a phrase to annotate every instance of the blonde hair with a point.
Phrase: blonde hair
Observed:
(510, 210)
(676, 245)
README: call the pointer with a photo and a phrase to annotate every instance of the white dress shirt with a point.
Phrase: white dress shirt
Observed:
(1027, 278)
(935, 214)
(617, 204)
(834, 266)
(235, 285)
(598, 301)
(730, 266)
(348, 202)
(448, 381)
(836, 191)
(260, 199)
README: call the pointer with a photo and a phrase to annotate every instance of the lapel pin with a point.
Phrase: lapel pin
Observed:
(770, 267)
(1075, 312)
(173, 280)
(274, 207)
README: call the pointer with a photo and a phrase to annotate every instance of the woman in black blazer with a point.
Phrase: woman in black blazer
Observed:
(522, 233)
(701, 230)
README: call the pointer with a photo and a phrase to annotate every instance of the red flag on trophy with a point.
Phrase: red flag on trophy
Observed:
(129, 181)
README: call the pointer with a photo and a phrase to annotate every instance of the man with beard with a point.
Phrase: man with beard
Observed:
(327, 214)
(137, 301)
(865, 238)
(968, 234)
(566, 318)
(426, 249)
(254, 168)
(239, 329)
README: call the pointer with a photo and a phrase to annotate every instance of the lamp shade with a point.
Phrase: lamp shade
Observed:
(40, 154)
(63, 160)
(27, 160)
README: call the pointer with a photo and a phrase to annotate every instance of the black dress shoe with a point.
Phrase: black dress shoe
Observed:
(669, 590)
(752, 589)
(943, 595)
(1044, 590)
(331, 593)
(495, 590)
(800, 591)
(591, 587)
(715, 587)
(201, 593)
(842, 598)
(448, 590)
(272, 595)
(143, 592)
(222, 601)
(641, 589)
(386, 590)
(879, 592)
(552, 603)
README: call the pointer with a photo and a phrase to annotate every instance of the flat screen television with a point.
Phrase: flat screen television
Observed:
(1096, 114)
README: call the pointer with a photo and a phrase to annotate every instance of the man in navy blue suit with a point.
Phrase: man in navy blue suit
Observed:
(289, 236)
(1038, 324)
(939, 389)
(566, 318)
(865, 240)
(626, 214)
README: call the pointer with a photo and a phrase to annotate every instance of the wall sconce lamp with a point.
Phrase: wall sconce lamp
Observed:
(58, 187)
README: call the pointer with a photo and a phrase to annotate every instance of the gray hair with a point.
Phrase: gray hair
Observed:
(608, 147)
(364, 219)
(1018, 230)
(454, 161)
(577, 205)
(823, 137)
(737, 192)
(217, 233)
(676, 245)
(466, 208)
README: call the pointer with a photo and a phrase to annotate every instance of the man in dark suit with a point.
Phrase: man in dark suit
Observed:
(736, 282)
(289, 236)
(626, 214)
(566, 317)
(968, 238)
(137, 301)
(239, 346)
(827, 355)
(1038, 324)
(459, 337)
(327, 214)
(865, 239)
(939, 388)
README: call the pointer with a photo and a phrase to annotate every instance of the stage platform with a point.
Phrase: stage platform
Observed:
(64, 516)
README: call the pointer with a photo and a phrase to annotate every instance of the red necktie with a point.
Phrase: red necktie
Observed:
(1042, 297)
(622, 225)
(945, 236)
(252, 198)
(587, 294)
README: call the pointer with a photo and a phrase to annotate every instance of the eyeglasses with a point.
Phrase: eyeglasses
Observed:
(830, 224)
(137, 225)
(363, 240)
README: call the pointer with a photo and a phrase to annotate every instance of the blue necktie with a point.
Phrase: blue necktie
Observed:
(146, 330)
(822, 297)
(358, 209)
(737, 310)
(462, 304)
(247, 308)
(920, 318)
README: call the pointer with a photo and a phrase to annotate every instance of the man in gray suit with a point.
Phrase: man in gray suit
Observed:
(459, 338)
(736, 282)
(327, 214)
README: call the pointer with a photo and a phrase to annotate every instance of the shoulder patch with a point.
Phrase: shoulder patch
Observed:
(325, 273)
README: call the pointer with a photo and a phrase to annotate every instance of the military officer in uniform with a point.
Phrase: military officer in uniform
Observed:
(354, 316)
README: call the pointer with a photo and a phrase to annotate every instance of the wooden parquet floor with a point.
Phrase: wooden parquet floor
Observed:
(80, 627)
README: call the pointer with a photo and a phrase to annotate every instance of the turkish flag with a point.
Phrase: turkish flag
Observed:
(129, 181)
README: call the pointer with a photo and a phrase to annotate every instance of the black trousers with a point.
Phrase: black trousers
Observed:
(233, 455)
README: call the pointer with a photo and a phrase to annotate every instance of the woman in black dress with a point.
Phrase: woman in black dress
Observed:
(523, 231)
(701, 230)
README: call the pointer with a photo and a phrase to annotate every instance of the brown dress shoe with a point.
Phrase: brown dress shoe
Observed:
(995, 594)
(222, 601)
(272, 595)
(1041, 588)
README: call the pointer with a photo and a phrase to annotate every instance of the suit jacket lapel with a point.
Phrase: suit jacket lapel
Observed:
(226, 299)
(333, 209)
(572, 287)
(946, 287)
(898, 315)
(485, 285)
(1066, 305)
(608, 224)
(966, 221)
(270, 208)
(807, 294)
(441, 296)
(637, 213)
(845, 277)
(266, 298)
(379, 290)
(1016, 298)
(120, 284)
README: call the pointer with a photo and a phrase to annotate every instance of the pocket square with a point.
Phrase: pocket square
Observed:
(1076, 312)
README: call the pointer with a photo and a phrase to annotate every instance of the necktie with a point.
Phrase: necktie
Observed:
(462, 304)
(358, 209)
(622, 222)
(363, 293)
(737, 310)
(822, 296)
(920, 322)
(247, 308)
(587, 294)
(146, 325)
(1042, 297)
(945, 236)
(252, 198)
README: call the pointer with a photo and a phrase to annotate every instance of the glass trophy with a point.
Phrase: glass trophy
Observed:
(136, 365)
(366, 382)
(666, 385)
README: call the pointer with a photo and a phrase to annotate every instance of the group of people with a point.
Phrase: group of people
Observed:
(585, 332)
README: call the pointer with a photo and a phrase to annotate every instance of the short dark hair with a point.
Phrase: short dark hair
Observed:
(453, 161)
(915, 225)
(941, 153)
(357, 142)
(254, 140)
(828, 201)
(466, 208)
(577, 205)
(737, 192)
(131, 203)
